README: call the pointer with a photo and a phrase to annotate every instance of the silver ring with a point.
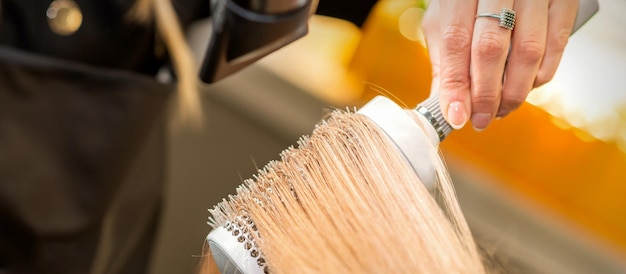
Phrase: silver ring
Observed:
(506, 16)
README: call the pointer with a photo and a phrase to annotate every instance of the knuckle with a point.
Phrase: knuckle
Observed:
(456, 38)
(531, 51)
(559, 39)
(490, 45)
(454, 82)
(484, 100)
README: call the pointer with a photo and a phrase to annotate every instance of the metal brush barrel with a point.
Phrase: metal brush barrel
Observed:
(431, 110)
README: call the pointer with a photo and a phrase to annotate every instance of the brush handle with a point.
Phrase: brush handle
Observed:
(431, 111)
(586, 9)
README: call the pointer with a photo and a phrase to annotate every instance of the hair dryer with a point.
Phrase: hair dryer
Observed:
(246, 30)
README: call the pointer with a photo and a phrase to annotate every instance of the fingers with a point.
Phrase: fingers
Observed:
(469, 54)
(489, 52)
(456, 23)
(561, 17)
(528, 46)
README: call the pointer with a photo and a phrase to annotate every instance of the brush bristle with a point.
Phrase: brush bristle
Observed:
(346, 201)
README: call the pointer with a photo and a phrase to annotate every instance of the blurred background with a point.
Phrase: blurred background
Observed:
(543, 190)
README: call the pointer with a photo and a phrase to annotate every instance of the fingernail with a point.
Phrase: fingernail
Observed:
(501, 113)
(480, 121)
(457, 116)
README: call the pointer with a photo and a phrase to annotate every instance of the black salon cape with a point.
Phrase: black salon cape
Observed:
(82, 136)
(81, 139)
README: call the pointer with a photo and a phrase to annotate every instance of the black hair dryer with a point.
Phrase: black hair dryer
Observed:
(244, 31)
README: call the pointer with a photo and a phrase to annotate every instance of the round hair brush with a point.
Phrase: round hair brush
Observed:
(353, 197)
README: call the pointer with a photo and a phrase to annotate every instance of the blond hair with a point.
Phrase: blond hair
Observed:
(347, 201)
(183, 59)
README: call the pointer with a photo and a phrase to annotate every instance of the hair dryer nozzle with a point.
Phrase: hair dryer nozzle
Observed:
(245, 32)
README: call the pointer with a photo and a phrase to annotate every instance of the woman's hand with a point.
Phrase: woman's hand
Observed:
(482, 70)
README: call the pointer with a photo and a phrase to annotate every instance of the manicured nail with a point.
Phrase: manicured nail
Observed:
(457, 116)
(502, 114)
(480, 121)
